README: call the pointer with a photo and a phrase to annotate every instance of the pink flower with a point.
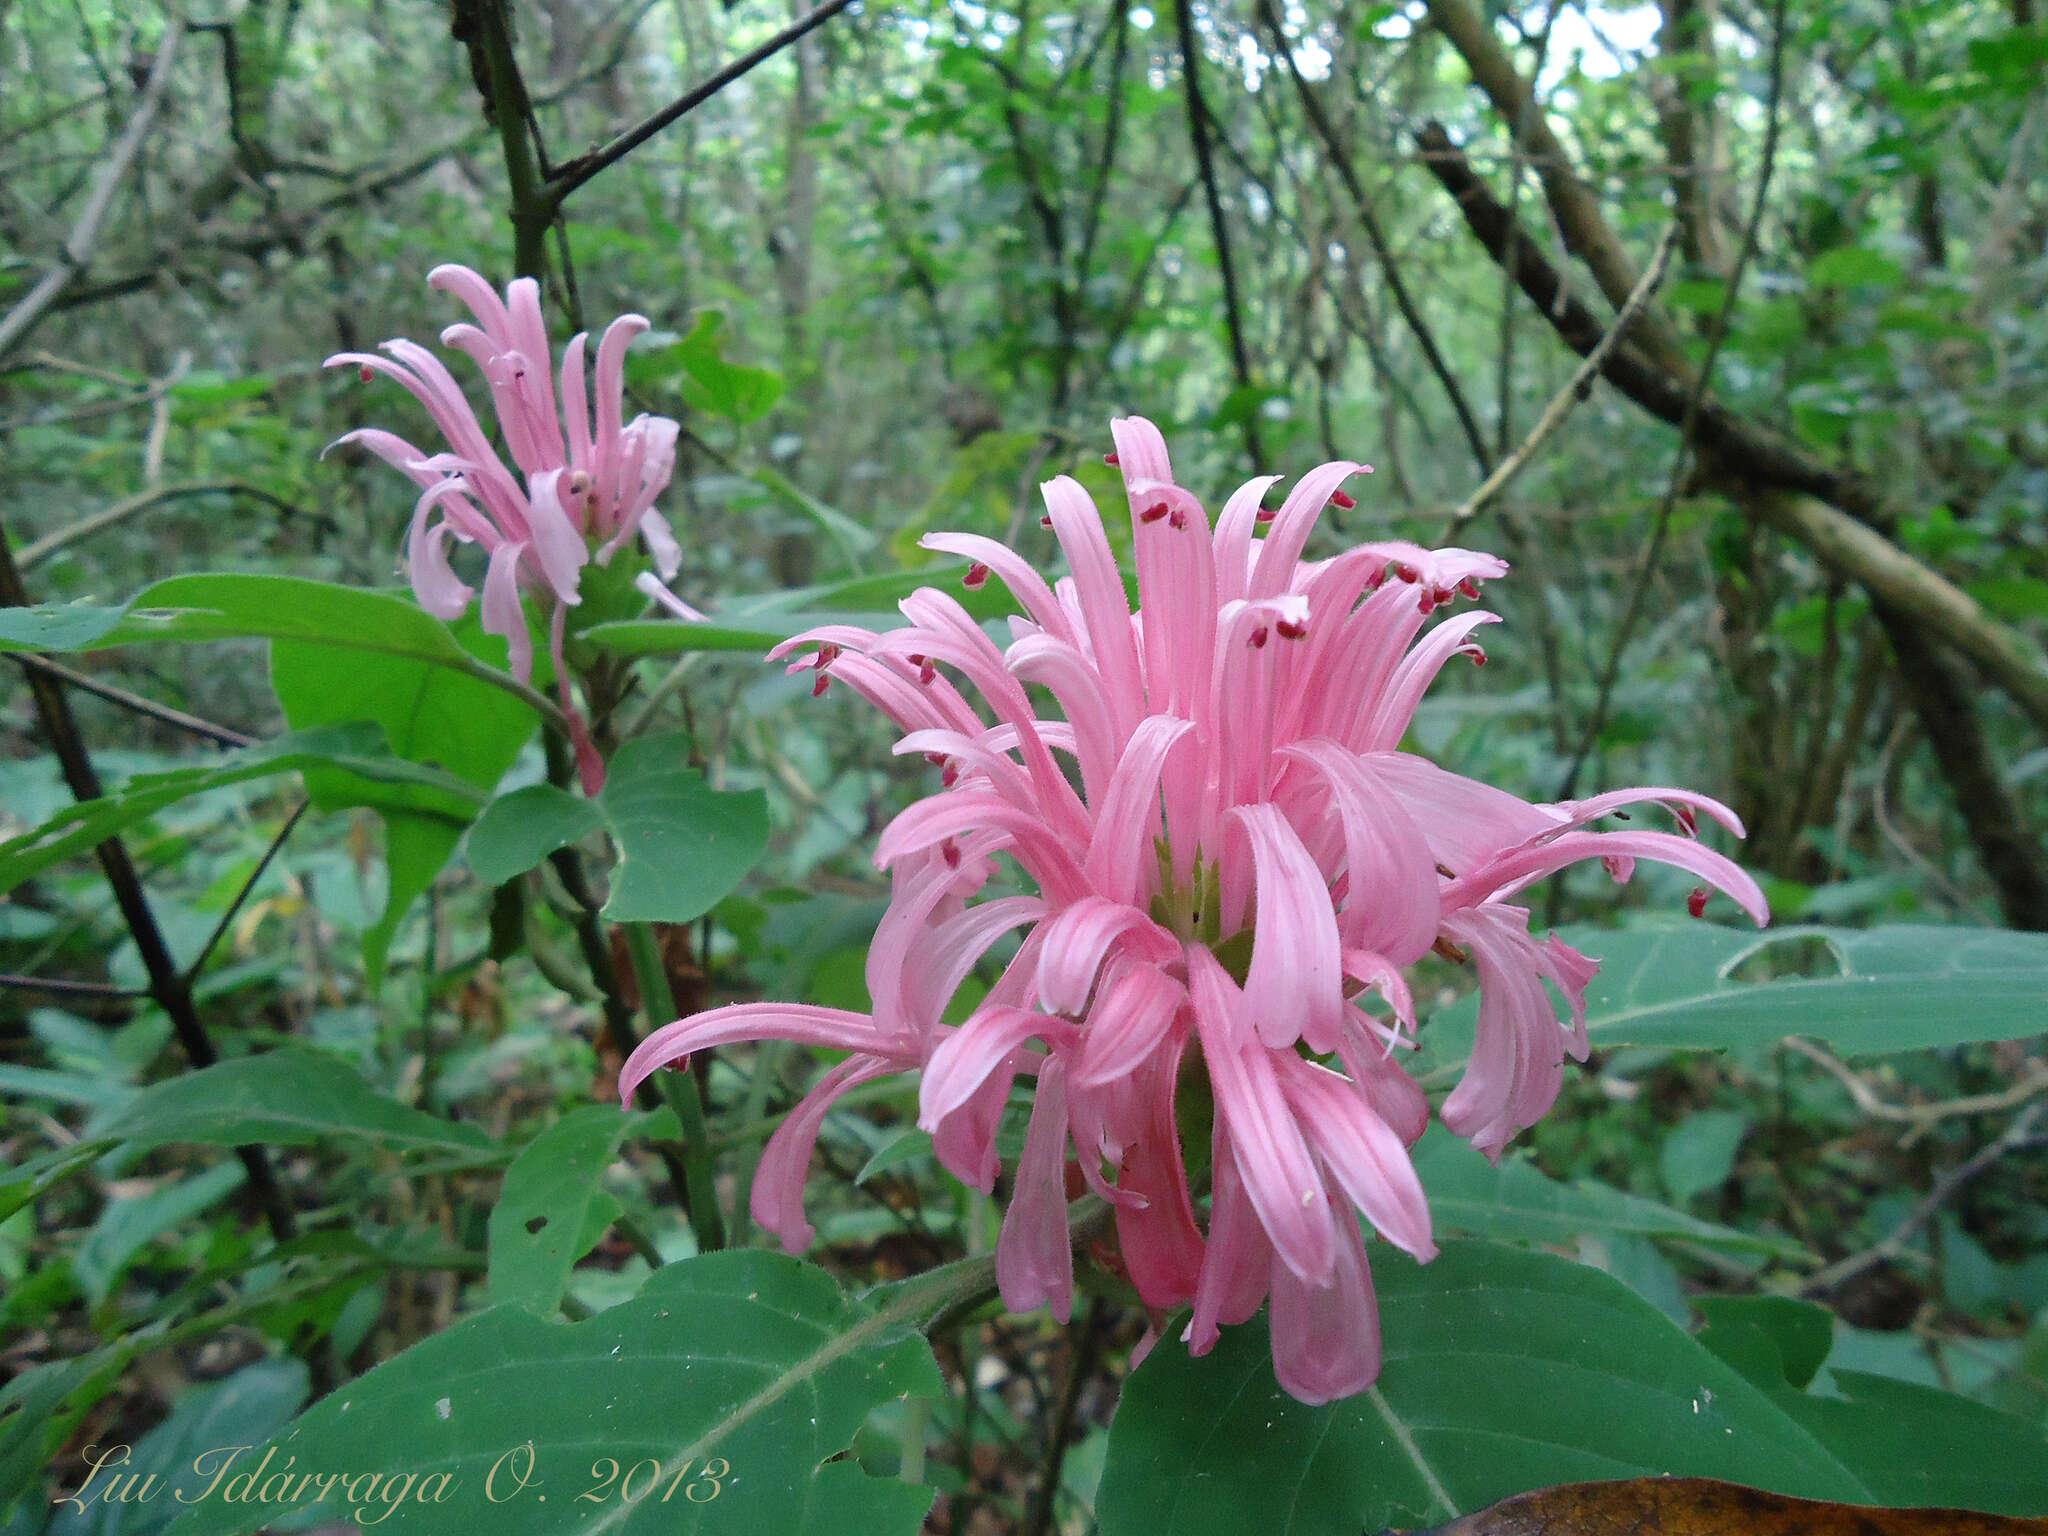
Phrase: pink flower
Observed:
(1229, 852)
(592, 486)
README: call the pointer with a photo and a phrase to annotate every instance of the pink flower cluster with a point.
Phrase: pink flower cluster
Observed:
(589, 488)
(1229, 852)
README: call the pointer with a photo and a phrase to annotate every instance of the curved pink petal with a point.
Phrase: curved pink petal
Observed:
(1034, 1254)
(1326, 1338)
(1297, 972)
(777, 1201)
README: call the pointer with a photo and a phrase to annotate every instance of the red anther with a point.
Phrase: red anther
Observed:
(1177, 519)
(936, 759)
(818, 688)
(950, 852)
(1442, 595)
(1615, 864)
(1696, 903)
(927, 669)
(1478, 656)
(977, 574)
(1469, 587)
(1045, 521)
(1266, 515)
(949, 775)
(827, 654)
(680, 1064)
(1428, 603)
(1343, 500)
(1375, 581)
(366, 373)
(1401, 570)
(1153, 513)
(1110, 459)
(1287, 629)
(1687, 820)
(914, 659)
(1257, 638)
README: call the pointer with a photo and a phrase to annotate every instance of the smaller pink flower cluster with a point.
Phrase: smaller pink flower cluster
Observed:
(578, 492)
(1228, 854)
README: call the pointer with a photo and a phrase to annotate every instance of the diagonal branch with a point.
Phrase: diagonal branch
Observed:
(76, 256)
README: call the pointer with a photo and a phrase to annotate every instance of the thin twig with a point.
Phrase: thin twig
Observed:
(69, 988)
(30, 555)
(1639, 589)
(135, 703)
(76, 257)
(576, 172)
(2032, 1085)
(2017, 1135)
(1561, 405)
(220, 929)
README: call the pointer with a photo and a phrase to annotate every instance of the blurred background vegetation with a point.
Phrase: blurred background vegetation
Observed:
(1792, 550)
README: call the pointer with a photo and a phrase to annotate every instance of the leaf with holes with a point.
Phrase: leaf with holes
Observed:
(552, 1200)
(721, 1398)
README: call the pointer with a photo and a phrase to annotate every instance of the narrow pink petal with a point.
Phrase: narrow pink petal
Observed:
(502, 612)
(1099, 587)
(1034, 1253)
(557, 543)
(1393, 906)
(1237, 1264)
(777, 1202)
(1079, 936)
(1235, 525)
(1120, 861)
(1279, 1175)
(576, 403)
(1411, 679)
(1141, 1010)
(1161, 1245)
(1284, 541)
(1466, 822)
(1363, 1154)
(966, 1057)
(1326, 1338)
(1517, 867)
(1014, 571)
(1297, 973)
(434, 582)
(392, 449)
(832, 1029)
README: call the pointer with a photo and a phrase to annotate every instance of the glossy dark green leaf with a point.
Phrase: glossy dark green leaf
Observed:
(719, 1399)
(518, 830)
(1505, 1370)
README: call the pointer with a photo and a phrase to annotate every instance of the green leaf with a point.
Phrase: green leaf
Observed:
(726, 1391)
(1865, 991)
(1852, 266)
(126, 1227)
(1505, 1370)
(55, 627)
(357, 748)
(1911, 1445)
(37, 1412)
(288, 1097)
(552, 1199)
(250, 1405)
(430, 714)
(25, 1180)
(1699, 1152)
(1516, 1202)
(518, 830)
(710, 383)
(228, 605)
(682, 845)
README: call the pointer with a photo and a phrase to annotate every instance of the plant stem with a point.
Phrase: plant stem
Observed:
(680, 1089)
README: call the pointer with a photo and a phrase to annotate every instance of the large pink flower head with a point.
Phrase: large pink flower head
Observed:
(583, 486)
(1229, 854)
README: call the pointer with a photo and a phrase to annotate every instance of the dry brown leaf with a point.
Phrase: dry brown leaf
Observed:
(1701, 1506)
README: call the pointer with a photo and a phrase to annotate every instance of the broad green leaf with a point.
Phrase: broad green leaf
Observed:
(1505, 1370)
(289, 1097)
(125, 1227)
(725, 1393)
(1699, 1152)
(1515, 1202)
(229, 605)
(551, 1199)
(1910, 1444)
(430, 713)
(682, 845)
(357, 748)
(1903, 987)
(248, 1406)
(707, 380)
(518, 830)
